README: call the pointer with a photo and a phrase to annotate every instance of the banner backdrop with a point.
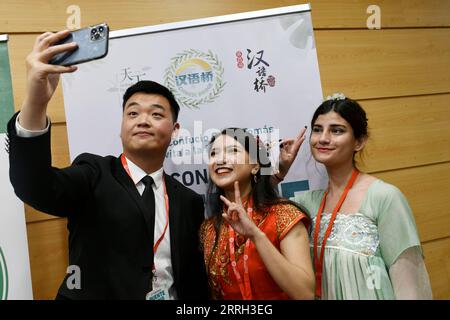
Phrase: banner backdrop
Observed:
(256, 70)
(15, 277)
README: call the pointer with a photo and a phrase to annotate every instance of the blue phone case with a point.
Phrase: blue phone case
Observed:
(92, 44)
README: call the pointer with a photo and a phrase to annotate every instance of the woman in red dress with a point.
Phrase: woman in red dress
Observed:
(255, 244)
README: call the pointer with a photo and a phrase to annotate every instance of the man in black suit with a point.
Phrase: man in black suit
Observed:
(130, 236)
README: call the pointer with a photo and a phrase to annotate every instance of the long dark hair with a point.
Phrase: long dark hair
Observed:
(264, 193)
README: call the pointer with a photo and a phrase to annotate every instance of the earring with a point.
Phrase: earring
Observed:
(255, 178)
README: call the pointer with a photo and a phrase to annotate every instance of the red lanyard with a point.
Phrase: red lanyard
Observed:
(166, 199)
(244, 285)
(318, 263)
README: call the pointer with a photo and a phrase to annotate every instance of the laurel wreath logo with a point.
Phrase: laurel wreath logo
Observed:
(216, 65)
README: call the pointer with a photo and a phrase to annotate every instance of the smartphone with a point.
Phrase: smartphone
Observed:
(92, 44)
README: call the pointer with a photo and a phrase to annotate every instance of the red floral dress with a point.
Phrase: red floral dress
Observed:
(275, 222)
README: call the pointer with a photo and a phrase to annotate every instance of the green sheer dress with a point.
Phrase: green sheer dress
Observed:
(363, 245)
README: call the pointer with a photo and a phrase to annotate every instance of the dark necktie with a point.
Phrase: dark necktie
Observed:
(149, 199)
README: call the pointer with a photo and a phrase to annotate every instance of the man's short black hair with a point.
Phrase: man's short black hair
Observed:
(151, 87)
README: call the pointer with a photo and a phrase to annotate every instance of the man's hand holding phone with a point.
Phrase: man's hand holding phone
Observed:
(53, 54)
(43, 77)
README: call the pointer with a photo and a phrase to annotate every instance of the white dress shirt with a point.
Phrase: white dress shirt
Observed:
(162, 257)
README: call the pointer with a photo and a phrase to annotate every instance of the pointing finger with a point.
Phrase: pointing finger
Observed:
(226, 201)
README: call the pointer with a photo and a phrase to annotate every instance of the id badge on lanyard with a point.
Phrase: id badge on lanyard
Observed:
(157, 293)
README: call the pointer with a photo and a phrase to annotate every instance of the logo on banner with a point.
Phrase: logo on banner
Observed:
(257, 62)
(127, 77)
(195, 77)
(3, 277)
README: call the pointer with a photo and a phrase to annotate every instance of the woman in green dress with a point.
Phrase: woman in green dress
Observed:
(372, 249)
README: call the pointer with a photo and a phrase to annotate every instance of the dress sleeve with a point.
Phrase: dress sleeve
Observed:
(396, 226)
(310, 200)
(287, 217)
(202, 234)
(409, 276)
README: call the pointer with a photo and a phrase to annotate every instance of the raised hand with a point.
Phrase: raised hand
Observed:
(288, 152)
(237, 216)
(42, 77)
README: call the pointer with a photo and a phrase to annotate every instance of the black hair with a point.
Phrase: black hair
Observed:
(348, 109)
(264, 193)
(151, 87)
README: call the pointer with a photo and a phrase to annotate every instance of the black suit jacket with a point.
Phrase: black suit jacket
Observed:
(110, 234)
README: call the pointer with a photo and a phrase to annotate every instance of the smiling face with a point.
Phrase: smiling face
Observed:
(230, 162)
(147, 124)
(332, 140)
